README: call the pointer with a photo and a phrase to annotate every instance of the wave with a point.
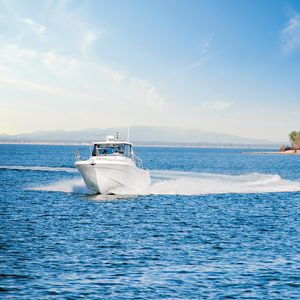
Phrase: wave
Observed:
(39, 168)
(192, 183)
(76, 186)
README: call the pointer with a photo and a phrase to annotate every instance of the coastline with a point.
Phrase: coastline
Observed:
(287, 152)
(219, 146)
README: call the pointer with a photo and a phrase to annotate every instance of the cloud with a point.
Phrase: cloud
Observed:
(220, 105)
(295, 112)
(61, 66)
(19, 58)
(133, 90)
(3, 68)
(45, 89)
(216, 106)
(206, 44)
(202, 61)
(34, 26)
(75, 77)
(290, 35)
(204, 56)
(147, 93)
(13, 54)
(118, 76)
(89, 38)
(54, 74)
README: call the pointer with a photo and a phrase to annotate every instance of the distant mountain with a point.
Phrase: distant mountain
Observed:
(138, 134)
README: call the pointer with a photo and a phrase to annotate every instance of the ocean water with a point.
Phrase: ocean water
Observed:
(214, 224)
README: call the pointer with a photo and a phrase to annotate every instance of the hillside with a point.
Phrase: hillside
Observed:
(138, 135)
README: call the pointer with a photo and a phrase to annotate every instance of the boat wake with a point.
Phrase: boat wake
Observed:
(76, 186)
(192, 183)
(39, 168)
(189, 183)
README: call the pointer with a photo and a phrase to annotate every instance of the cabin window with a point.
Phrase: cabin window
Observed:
(127, 150)
(112, 149)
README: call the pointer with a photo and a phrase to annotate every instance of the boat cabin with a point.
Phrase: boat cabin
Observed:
(112, 148)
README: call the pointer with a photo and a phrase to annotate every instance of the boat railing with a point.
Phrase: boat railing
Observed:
(116, 156)
(138, 162)
(81, 156)
(77, 154)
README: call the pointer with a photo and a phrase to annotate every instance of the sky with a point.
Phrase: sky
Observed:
(223, 66)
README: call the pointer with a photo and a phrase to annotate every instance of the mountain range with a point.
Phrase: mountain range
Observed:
(153, 135)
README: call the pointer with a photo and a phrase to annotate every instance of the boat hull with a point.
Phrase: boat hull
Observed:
(113, 177)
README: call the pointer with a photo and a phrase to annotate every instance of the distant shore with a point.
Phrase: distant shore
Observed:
(141, 144)
(287, 152)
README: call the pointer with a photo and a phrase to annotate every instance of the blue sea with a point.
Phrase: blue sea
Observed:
(215, 224)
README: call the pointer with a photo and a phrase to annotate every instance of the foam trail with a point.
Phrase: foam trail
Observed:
(66, 186)
(39, 168)
(76, 186)
(192, 183)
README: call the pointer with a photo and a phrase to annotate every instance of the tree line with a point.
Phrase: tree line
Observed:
(294, 138)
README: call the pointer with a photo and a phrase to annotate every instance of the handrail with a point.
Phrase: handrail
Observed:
(77, 154)
(138, 162)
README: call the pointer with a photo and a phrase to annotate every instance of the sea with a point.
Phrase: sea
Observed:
(214, 224)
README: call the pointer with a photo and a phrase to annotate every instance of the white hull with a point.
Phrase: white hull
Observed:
(113, 175)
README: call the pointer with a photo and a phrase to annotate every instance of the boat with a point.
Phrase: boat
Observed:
(113, 168)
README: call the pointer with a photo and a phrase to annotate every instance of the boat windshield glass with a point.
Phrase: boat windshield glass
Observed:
(112, 149)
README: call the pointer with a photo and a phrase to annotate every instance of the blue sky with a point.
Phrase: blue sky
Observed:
(226, 66)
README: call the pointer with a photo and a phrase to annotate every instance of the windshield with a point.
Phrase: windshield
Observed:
(112, 149)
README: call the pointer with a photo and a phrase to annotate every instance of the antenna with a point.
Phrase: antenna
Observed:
(128, 131)
(117, 135)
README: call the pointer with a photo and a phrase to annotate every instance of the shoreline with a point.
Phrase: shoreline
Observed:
(149, 145)
(288, 152)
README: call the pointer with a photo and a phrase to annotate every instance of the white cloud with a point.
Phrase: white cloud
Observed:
(204, 56)
(147, 93)
(154, 100)
(118, 76)
(89, 38)
(60, 65)
(202, 61)
(216, 106)
(220, 105)
(56, 73)
(12, 53)
(77, 80)
(45, 89)
(34, 26)
(295, 112)
(206, 44)
(19, 58)
(3, 68)
(290, 35)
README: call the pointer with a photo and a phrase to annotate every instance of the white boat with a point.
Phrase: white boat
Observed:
(113, 168)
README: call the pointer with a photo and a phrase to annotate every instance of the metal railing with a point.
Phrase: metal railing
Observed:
(77, 154)
(82, 154)
(138, 162)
